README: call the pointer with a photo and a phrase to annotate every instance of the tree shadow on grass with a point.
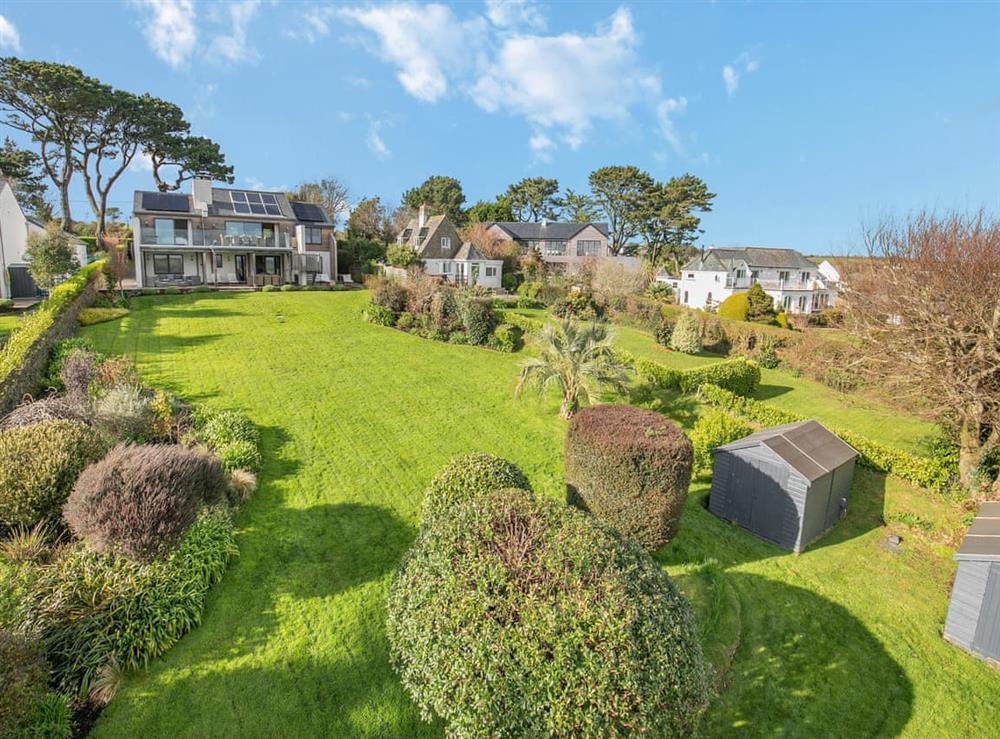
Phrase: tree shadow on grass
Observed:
(806, 667)
(766, 392)
(681, 407)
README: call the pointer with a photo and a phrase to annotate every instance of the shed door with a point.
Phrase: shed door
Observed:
(770, 500)
(741, 478)
(987, 638)
(21, 284)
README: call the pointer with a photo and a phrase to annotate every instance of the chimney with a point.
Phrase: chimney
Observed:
(201, 194)
(422, 216)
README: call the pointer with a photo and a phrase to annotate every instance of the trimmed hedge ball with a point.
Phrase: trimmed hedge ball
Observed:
(38, 466)
(521, 617)
(468, 477)
(630, 468)
(139, 500)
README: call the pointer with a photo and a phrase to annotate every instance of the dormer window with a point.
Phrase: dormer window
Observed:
(446, 242)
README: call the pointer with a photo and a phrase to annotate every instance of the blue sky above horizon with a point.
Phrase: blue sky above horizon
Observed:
(806, 119)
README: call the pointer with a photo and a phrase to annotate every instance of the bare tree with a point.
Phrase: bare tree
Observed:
(329, 193)
(926, 305)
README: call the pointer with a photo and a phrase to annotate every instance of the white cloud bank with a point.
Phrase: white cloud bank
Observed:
(171, 28)
(9, 37)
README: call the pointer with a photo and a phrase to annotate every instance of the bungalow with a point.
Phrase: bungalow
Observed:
(563, 246)
(222, 236)
(439, 246)
(796, 284)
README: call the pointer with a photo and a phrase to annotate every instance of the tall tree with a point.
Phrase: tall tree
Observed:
(926, 306)
(578, 207)
(53, 103)
(618, 191)
(369, 220)
(23, 168)
(188, 157)
(534, 198)
(667, 217)
(328, 193)
(442, 195)
(487, 212)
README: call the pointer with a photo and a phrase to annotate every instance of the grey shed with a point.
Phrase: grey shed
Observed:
(787, 484)
(973, 621)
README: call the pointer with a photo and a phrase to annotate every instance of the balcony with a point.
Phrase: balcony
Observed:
(744, 283)
(216, 237)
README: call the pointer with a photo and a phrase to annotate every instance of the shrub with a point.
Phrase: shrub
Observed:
(38, 466)
(714, 428)
(242, 484)
(630, 468)
(458, 337)
(269, 289)
(465, 478)
(173, 290)
(405, 321)
(149, 291)
(687, 334)
(444, 314)
(401, 255)
(91, 316)
(713, 337)
(477, 319)
(663, 332)
(6, 305)
(52, 408)
(77, 371)
(656, 374)
(139, 500)
(506, 338)
(660, 291)
(57, 356)
(95, 611)
(124, 413)
(760, 305)
(766, 352)
(288, 287)
(51, 719)
(27, 546)
(24, 678)
(114, 371)
(736, 307)
(227, 427)
(389, 294)
(528, 326)
(240, 455)
(781, 320)
(521, 617)
(379, 316)
(738, 375)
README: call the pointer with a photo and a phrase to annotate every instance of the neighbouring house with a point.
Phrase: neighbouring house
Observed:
(796, 284)
(973, 621)
(787, 484)
(222, 236)
(15, 228)
(443, 253)
(562, 246)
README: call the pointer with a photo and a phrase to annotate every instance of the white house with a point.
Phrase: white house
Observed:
(796, 284)
(439, 246)
(15, 228)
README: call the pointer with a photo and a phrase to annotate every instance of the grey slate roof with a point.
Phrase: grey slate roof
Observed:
(546, 231)
(222, 206)
(723, 259)
(982, 541)
(806, 446)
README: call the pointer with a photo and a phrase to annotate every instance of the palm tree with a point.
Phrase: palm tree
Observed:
(578, 359)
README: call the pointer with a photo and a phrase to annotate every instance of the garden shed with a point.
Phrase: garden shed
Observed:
(787, 484)
(973, 621)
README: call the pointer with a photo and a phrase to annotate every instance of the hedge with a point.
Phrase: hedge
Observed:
(630, 468)
(739, 375)
(530, 326)
(92, 316)
(921, 471)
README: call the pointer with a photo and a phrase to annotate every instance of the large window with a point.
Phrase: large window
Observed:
(267, 265)
(555, 248)
(588, 248)
(244, 228)
(168, 264)
(445, 267)
(171, 231)
(314, 235)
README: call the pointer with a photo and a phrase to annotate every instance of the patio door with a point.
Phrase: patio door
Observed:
(241, 267)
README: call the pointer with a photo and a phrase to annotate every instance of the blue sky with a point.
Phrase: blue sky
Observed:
(806, 119)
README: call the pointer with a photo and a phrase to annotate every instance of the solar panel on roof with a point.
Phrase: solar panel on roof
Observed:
(272, 210)
(257, 208)
(164, 201)
(308, 212)
(241, 208)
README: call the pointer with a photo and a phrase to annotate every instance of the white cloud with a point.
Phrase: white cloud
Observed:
(9, 37)
(664, 111)
(427, 43)
(375, 142)
(512, 13)
(357, 81)
(254, 183)
(542, 147)
(234, 47)
(142, 162)
(170, 29)
(745, 63)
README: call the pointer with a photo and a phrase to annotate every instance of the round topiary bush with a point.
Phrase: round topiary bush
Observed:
(736, 307)
(24, 681)
(630, 468)
(38, 466)
(520, 617)
(467, 477)
(139, 500)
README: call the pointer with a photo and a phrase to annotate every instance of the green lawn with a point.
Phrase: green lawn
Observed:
(8, 322)
(842, 640)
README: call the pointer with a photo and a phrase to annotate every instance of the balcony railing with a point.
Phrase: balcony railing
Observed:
(744, 283)
(216, 237)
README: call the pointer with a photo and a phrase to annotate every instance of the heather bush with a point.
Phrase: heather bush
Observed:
(38, 466)
(77, 371)
(139, 500)
(57, 356)
(52, 408)
(467, 477)
(521, 617)
(477, 319)
(124, 413)
(24, 679)
(94, 611)
(687, 334)
(715, 428)
(630, 468)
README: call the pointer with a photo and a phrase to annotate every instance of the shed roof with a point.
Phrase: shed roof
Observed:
(982, 541)
(806, 446)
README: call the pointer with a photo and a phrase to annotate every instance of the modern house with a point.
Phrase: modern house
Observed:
(563, 246)
(973, 621)
(787, 484)
(438, 244)
(796, 284)
(15, 228)
(222, 236)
